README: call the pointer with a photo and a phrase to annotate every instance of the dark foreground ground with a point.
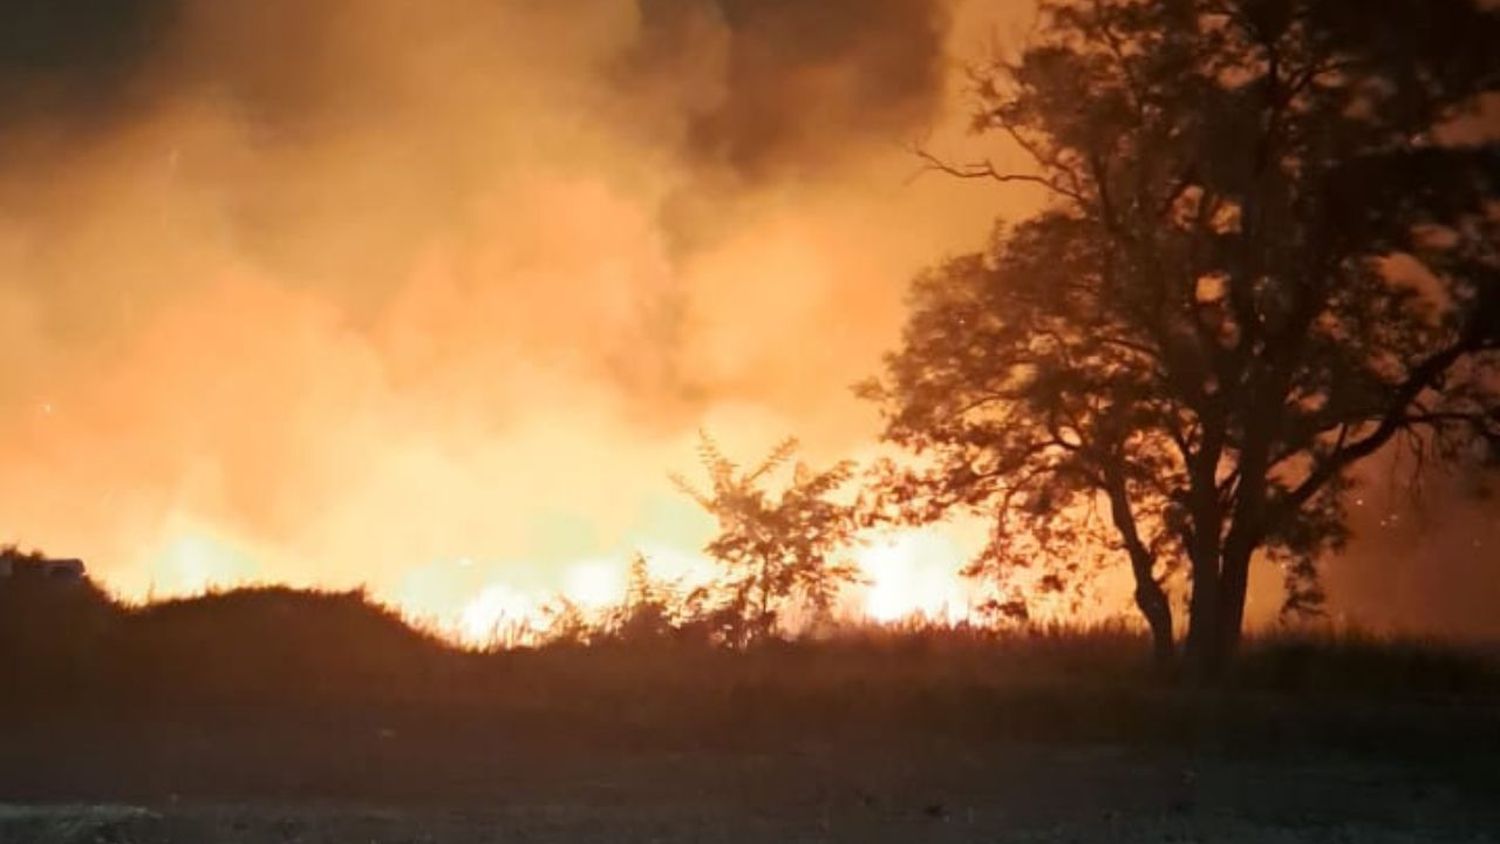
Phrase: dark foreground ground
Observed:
(1083, 794)
(348, 777)
(270, 718)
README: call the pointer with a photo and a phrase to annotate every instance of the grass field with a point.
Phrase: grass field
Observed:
(275, 716)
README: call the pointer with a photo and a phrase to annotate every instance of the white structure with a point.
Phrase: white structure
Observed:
(61, 570)
(64, 569)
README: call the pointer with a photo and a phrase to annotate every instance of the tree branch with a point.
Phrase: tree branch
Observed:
(1394, 421)
(986, 170)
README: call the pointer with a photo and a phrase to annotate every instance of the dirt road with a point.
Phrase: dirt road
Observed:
(941, 792)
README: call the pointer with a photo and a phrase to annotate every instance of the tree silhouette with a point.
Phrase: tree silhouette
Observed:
(1261, 261)
(775, 548)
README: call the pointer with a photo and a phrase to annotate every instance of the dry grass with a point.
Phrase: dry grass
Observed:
(274, 649)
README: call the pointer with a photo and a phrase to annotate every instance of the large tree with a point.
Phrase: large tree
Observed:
(1265, 256)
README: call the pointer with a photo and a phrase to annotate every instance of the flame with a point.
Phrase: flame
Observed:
(497, 614)
(595, 584)
(196, 562)
(906, 574)
(914, 574)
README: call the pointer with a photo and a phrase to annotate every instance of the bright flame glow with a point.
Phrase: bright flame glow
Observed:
(909, 574)
(595, 584)
(497, 612)
(195, 562)
(914, 574)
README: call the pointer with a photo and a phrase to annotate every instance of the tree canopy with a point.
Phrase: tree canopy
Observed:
(1264, 258)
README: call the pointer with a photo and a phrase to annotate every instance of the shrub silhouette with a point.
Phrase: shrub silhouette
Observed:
(775, 548)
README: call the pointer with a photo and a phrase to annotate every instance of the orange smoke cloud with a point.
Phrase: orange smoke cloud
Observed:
(431, 296)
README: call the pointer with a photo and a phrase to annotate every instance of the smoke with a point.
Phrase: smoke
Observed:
(799, 84)
(430, 296)
(1423, 557)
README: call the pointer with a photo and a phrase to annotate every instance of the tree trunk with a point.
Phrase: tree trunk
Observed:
(1217, 617)
(1232, 594)
(1201, 650)
(1153, 604)
(763, 617)
(1205, 655)
(1149, 596)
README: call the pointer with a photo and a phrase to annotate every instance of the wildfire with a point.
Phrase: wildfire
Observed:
(499, 613)
(905, 574)
(914, 574)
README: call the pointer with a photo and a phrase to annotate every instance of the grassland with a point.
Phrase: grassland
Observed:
(271, 715)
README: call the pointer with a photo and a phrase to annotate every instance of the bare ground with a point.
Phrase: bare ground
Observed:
(434, 783)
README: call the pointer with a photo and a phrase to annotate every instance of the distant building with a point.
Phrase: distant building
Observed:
(63, 570)
(69, 569)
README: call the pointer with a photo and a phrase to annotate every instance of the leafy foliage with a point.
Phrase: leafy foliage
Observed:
(776, 548)
(651, 610)
(1260, 264)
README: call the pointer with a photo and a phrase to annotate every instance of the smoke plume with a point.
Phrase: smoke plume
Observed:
(430, 296)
